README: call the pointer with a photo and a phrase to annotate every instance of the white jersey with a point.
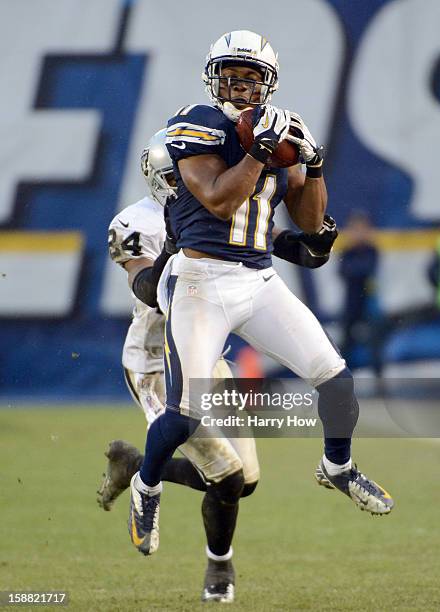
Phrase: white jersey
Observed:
(139, 231)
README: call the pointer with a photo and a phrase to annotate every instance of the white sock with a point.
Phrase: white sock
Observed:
(333, 469)
(214, 557)
(143, 488)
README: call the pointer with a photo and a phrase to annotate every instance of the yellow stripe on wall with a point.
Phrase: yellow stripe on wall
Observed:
(40, 242)
(68, 242)
(392, 240)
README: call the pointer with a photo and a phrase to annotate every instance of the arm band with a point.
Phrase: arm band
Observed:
(314, 171)
(314, 166)
(288, 246)
(144, 284)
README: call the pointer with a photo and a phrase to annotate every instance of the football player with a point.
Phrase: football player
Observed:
(138, 242)
(223, 219)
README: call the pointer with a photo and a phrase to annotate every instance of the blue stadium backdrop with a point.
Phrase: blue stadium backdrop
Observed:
(85, 84)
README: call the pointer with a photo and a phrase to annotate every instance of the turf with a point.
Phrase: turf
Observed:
(297, 547)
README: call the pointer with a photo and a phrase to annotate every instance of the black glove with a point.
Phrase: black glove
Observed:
(170, 240)
(321, 243)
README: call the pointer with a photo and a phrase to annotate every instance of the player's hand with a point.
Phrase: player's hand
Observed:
(321, 243)
(271, 125)
(170, 239)
(310, 153)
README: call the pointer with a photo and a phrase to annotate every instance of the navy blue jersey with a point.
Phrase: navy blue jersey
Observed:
(247, 237)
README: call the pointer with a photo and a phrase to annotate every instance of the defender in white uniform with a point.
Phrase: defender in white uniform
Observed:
(139, 232)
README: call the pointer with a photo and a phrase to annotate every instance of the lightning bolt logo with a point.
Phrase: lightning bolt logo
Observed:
(167, 348)
(137, 541)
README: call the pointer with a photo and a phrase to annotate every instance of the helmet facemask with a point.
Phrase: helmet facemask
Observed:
(213, 78)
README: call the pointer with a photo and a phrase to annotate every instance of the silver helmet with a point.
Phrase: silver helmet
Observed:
(157, 168)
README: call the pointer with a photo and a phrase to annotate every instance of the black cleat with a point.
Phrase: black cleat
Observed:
(219, 582)
(366, 494)
(124, 460)
(143, 520)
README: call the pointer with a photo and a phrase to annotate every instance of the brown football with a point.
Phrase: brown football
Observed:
(286, 154)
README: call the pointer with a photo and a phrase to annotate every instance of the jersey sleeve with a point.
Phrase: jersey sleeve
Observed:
(134, 241)
(195, 130)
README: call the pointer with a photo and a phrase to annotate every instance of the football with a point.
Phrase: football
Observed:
(286, 154)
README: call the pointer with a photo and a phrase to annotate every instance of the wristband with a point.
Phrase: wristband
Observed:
(314, 171)
(314, 165)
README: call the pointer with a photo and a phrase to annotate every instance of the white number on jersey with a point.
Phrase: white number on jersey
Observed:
(240, 219)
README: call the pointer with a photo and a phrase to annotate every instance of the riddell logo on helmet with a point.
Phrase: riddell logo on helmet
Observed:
(242, 50)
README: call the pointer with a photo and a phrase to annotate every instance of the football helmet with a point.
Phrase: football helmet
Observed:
(241, 48)
(157, 168)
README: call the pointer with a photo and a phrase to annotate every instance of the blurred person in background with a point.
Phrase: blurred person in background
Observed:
(358, 267)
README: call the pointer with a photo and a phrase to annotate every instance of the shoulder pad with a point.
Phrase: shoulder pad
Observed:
(200, 112)
(137, 231)
(197, 124)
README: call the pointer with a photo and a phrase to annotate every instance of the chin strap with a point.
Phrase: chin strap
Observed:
(231, 112)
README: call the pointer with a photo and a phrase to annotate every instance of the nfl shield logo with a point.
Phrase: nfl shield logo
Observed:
(192, 290)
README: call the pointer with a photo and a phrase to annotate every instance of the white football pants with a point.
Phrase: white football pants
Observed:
(209, 298)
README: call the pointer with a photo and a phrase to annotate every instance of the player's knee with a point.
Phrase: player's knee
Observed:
(229, 490)
(339, 386)
(249, 488)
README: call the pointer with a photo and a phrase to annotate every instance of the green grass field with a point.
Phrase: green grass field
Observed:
(297, 546)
